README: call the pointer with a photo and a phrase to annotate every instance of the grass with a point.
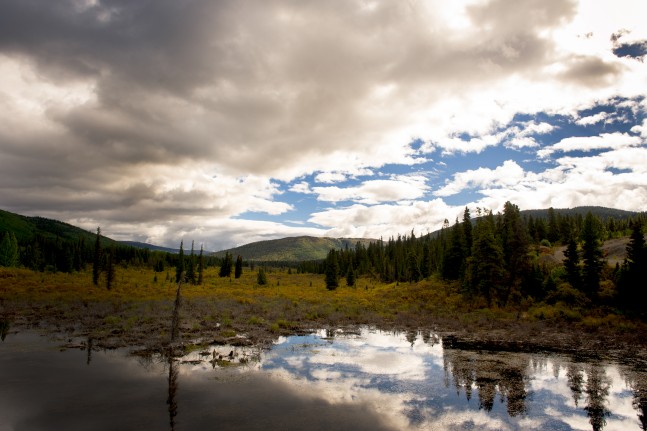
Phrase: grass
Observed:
(138, 310)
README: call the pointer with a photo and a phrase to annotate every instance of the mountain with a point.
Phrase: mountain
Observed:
(151, 247)
(25, 228)
(601, 212)
(292, 249)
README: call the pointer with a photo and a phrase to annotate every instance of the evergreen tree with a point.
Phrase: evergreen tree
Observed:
(179, 268)
(454, 258)
(632, 294)
(553, 226)
(514, 237)
(467, 232)
(350, 276)
(201, 265)
(110, 270)
(540, 230)
(332, 270)
(238, 269)
(261, 278)
(9, 250)
(591, 256)
(225, 266)
(414, 268)
(425, 265)
(97, 259)
(572, 264)
(190, 268)
(487, 272)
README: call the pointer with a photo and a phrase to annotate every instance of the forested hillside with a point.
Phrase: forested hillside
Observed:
(42, 244)
(498, 258)
(27, 228)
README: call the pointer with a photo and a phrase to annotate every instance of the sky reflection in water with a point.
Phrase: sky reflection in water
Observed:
(368, 380)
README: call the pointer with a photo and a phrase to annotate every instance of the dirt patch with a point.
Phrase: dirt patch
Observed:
(614, 251)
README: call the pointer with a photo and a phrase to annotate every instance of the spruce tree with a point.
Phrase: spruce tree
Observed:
(425, 265)
(414, 268)
(332, 271)
(487, 272)
(9, 250)
(238, 269)
(201, 265)
(467, 232)
(631, 293)
(179, 267)
(97, 259)
(572, 264)
(190, 268)
(110, 270)
(591, 256)
(350, 276)
(225, 266)
(553, 226)
(454, 258)
(261, 278)
(514, 237)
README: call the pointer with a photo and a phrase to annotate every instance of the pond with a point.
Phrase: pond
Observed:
(368, 379)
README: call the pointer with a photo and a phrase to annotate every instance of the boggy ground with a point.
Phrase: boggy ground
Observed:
(137, 312)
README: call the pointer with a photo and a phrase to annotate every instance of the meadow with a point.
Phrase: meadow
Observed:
(137, 311)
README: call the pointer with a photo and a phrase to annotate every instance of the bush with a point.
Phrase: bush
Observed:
(568, 295)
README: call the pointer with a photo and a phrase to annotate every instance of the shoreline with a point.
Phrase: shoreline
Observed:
(155, 335)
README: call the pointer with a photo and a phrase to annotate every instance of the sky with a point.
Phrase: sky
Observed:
(228, 122)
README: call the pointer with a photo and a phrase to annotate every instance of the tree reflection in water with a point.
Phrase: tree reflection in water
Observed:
(597, 391)
(575, 379)
(172, 391)
(638, 383)
(492, 374)
(172, 369)
(4, 328)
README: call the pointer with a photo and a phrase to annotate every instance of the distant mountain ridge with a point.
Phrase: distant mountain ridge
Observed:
(602, 212)
(292, 249)
(151, 247)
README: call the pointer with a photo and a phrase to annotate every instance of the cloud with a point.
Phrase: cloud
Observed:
(301, 187)
(139, 114)
(397, 188)
(589, 143)
(641, 129)
(575, 181)
(509, 173)
(330, 177)
(534, 128)
(385, 220)
(592, 119)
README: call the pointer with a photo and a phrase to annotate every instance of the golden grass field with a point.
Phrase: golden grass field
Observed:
(138, 308)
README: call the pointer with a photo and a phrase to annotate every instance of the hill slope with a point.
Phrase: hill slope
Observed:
(292, 248)
(26, 228)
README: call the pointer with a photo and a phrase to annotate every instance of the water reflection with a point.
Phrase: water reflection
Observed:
(172, 391)
(501, 374)
(4, 328)
(328, 380)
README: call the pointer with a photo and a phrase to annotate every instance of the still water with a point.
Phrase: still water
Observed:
(368, 380)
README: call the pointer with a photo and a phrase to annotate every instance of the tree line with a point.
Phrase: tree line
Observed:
(498, 258)
(59, 254)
